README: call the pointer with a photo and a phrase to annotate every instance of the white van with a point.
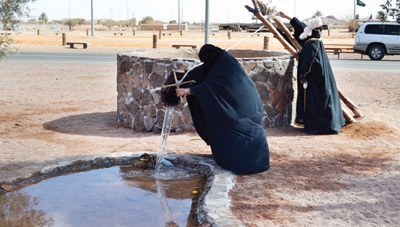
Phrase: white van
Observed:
(377, 39)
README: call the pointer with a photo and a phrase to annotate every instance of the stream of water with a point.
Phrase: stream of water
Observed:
(159, 169)
(164, 136)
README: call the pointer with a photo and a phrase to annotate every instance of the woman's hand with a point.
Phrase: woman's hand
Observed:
(182, 92)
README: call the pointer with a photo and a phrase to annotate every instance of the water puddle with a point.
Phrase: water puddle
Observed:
(115, 196)
(120, 195)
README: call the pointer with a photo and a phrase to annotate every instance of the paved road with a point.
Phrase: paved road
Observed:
(389, 65)
(365, 65)
(62, 57)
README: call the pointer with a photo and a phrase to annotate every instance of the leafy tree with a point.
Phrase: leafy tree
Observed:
(389, 11)
(5, 48)
(43, 18)
(317, 14)
(109, 23)
(71, 23)
(147, 20)
(11, 10)
(21, 209)
(31, 21)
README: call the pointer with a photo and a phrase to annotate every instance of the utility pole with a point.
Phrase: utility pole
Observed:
(127, 12)
(91, 17)
(207, 23)
(179, 15)
(69, 9)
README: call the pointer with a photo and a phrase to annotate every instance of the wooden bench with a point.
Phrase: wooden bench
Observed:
(116, 33)
(337, 49)
(178, 46)
(71, 44)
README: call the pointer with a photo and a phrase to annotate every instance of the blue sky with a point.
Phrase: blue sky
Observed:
(222, 11)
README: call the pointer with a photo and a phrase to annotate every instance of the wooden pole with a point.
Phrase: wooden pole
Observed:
(348, 118)
(266, 41)
(64, 39)
(154, 41)
(273, 30)
(288, 34)
(293, 51)
(350, 105)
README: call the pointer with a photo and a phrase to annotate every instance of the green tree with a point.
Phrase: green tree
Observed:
(43, 18)
(318, 14)
(71, 23)
(11, 10)
(5, 48)
(109, 23)
(147, 20)
(389, 11)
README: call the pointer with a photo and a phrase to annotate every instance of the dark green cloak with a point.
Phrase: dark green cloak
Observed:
(320, 110)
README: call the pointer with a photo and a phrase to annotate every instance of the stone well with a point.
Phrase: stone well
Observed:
(141, 74)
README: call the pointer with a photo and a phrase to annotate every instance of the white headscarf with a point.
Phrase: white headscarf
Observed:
(312, 24)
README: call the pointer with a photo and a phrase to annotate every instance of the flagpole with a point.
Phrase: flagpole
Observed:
(354, 16)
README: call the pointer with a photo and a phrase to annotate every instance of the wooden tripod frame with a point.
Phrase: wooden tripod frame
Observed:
(294, 51)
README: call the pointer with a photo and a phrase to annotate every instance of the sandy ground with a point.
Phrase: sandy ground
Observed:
(52, 111)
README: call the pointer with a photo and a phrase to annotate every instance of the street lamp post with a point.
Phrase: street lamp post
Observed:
(91, 17)
(69, 9)
(179, 15)
(127, 12)
(207, 23)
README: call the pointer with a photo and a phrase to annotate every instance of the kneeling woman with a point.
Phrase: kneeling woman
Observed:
(227, 112)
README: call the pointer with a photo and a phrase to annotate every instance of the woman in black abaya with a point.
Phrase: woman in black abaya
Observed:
(227, 112)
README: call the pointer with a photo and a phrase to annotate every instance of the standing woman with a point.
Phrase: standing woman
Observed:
(318, 105)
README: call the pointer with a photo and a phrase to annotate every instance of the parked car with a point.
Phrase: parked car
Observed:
(377, 39)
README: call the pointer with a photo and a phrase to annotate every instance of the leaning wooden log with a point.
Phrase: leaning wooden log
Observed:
(294, 51)
(350, 105)
(346, 101)
(287, 33)
(348, 118)
(256, 11)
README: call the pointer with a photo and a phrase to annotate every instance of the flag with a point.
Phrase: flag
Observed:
(360, 3)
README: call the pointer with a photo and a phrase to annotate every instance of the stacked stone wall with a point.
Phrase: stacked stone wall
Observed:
(139, 81)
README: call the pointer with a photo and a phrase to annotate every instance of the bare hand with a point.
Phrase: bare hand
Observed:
(181, 92)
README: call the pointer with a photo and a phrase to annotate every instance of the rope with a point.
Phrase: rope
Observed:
(187, 72)
(245, 38)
